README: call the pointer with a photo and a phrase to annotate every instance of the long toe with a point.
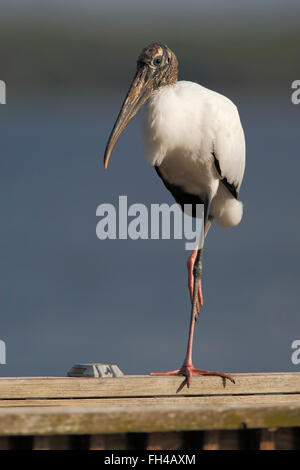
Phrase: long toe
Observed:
(169, 372)
(213, 373)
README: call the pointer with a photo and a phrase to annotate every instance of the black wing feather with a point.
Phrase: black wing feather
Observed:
(180, 196)
(232, 188)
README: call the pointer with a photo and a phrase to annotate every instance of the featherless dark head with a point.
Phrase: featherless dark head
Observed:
(157, 66)
(161, 62)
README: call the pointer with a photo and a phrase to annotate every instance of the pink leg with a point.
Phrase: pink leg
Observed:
(187, 369)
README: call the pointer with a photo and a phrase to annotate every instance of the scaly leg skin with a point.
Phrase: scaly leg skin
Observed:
(190, 266)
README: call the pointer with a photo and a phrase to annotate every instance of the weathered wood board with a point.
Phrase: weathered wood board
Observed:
(145, 386)
(48, 406)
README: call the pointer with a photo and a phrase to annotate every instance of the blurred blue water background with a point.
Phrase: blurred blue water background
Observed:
(68, 297)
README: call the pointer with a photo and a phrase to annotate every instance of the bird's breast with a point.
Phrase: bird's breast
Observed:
(177, 137)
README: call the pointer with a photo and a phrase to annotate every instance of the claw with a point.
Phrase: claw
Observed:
(189, 370)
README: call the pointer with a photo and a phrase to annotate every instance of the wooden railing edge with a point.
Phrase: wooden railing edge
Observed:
(145, 385)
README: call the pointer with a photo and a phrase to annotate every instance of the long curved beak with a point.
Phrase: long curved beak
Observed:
(139, 91)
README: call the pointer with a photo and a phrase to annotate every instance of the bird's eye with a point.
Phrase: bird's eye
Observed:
(157, 61)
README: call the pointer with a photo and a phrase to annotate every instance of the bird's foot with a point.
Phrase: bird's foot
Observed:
(190, 266)
(188, 370)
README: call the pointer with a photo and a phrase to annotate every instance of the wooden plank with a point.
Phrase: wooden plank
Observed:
(138, 386)
(59, 442)
(108, 442)
(51, 443)
(267, 439)
(285, 439)
(141, 401)
(165, 441)
(21, 442)
(158, 418)
(211, 440)
(221, 440)
(249, 438)
(41, 443)
(4, 443)
(97, 442)
(229, 440)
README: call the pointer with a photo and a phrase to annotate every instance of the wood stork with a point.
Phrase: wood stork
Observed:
(194, 139)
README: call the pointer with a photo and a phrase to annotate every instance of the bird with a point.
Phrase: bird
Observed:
(194, 139)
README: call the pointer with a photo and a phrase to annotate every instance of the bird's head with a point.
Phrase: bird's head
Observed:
(157, 66)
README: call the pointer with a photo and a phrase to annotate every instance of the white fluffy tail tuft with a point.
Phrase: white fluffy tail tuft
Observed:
(228, 213)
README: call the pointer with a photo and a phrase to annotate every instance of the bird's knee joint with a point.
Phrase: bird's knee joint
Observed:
(197, 272)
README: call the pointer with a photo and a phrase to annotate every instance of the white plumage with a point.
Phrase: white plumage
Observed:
(183, 125)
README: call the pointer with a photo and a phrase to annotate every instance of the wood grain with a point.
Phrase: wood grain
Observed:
(142, 401)
(160, 418)
(145, 385)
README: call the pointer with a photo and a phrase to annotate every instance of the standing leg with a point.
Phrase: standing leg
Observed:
(187, 369)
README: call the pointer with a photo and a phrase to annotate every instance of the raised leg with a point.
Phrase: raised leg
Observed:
(190, 266)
